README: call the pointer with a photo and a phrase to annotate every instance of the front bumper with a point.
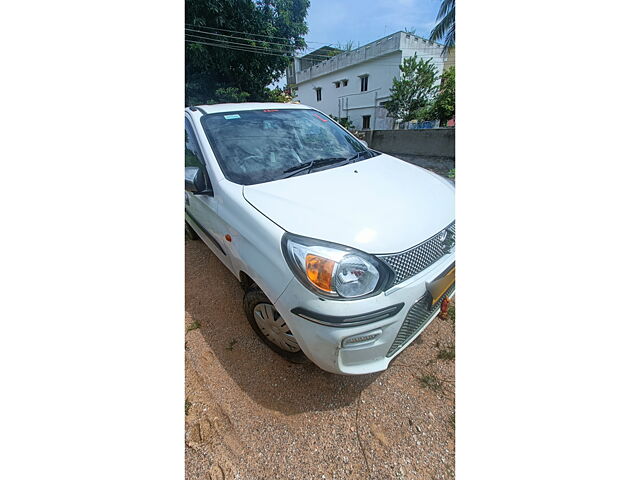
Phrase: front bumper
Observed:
(332, 347)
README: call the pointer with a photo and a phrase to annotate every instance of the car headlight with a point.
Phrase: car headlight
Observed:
(333, 270)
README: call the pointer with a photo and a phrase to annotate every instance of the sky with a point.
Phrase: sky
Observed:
(363, 21)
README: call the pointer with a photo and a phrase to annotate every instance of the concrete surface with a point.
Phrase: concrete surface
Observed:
(432, 142)
(433, 149)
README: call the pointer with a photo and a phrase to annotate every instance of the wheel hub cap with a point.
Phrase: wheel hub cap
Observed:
(273, 326)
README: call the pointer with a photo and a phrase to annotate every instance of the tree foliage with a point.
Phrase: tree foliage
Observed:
(414, 90)
(445, 29)
(230, 95)
(277, 95)
(215, 73)
(444, 106)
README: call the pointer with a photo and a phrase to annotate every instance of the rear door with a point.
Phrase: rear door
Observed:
(201, 210)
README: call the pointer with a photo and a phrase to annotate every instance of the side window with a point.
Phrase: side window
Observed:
(192, 154)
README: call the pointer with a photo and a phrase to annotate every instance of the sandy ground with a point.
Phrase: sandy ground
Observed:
(253, 415)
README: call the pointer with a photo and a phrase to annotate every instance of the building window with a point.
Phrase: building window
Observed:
(318, 94)
(345, 82)
(337, 84)
(364, 83)
(366, 122)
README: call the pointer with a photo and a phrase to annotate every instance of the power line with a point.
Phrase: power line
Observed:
(273, 48)
(316, 56)
(250, 34)
(239, 49)
(257, 47)
(244, 47)
(242, 38)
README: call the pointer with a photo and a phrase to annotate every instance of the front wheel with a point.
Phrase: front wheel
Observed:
(269, 325)
(189, 232)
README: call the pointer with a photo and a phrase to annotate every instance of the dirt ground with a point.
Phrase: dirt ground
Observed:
(252, 415)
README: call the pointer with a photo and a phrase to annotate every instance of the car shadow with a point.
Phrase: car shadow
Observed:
(213, 299)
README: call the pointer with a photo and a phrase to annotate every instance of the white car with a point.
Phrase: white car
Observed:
(345, 254)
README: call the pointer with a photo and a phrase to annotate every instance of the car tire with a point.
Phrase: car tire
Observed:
(190, 232)
(259, 309)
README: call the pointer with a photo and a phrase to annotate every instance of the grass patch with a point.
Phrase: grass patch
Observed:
(187, 406)
(447, 353)
(431, 382)
(231, 344)
(194, 326)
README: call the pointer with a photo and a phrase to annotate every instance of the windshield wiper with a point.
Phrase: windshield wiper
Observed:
(357, 156)
(309, 166)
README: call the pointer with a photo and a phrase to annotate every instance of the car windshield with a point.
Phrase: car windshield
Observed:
(257, 146)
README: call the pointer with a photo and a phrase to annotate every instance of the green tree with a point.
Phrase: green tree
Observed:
(217, 57)
(414, 90)
(229, 95)
(444, 107)
(277, 95)
(445, 29)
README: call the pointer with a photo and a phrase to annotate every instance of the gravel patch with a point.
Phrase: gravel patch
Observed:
(252, 415)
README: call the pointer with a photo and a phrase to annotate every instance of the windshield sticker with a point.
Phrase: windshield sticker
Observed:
(231, 117)
(318, 116)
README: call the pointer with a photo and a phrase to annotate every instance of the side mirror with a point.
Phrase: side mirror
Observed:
(194, 180)
(364, 143)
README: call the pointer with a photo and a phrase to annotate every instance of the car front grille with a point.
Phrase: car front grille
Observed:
(413, 261)
(420, 314)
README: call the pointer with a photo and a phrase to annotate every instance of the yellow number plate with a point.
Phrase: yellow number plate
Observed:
(438, 287)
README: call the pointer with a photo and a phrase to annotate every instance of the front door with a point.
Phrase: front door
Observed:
(201, 210)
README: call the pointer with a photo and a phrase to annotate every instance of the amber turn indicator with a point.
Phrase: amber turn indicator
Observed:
(320, 271)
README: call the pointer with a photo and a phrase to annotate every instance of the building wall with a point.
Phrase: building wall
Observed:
(433, 142)
(433, 149)
(381, 61)
(451, 59)
(366, 52)
(349, 101)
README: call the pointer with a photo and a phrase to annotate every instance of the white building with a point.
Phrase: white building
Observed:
(355, 84)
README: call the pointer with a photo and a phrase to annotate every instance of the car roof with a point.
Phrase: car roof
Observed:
(238, 107)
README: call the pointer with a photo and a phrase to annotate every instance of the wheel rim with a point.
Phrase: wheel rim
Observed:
(273, 326)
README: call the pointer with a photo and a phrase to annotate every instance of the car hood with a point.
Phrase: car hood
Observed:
(378, 205)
